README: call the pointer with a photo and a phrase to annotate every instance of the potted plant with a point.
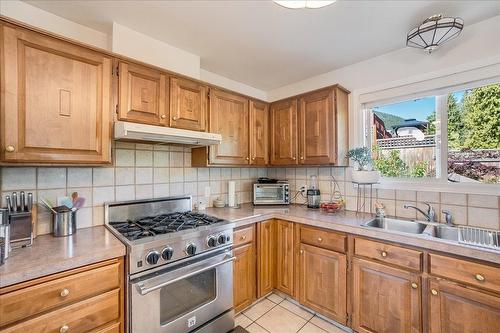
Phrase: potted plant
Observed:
(363, 171)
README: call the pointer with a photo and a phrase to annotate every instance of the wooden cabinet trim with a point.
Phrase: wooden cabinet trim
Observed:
(259, 133)
(285, 257)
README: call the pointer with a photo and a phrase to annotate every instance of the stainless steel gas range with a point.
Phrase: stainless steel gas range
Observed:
(179, 266)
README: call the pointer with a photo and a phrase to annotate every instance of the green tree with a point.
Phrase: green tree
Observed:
(482, 117)
(431, 127)
(456, 123)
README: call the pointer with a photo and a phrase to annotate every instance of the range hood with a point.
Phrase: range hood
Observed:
(141, 132)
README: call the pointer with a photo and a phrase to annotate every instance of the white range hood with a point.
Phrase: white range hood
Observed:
(141, 132)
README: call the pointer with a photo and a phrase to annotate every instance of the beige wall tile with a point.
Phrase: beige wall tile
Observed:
(176, 159)
(390, 206)
(143, 158)
(124, 193)
(125, 176)
(51, 178)
(485, 201)
(160, 159)
(97, 215)
(427, 196)
(203, 174)
(84, 218)
(176, 189)
(100, 195)
(124, 158)
(79, 177)
(459, 199)
(103, 177)
(161, 190)
(407, 213)
(143, 146)
(176, 175)
(386, 194)
(18, 178)
(404, 195)
(144, 175)
(83, 192)
(483, 218)
(144, 191)
(190, 174)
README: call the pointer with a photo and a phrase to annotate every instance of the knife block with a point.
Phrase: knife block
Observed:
(21, 229)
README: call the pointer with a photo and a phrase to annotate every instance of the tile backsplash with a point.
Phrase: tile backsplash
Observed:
(142, 171)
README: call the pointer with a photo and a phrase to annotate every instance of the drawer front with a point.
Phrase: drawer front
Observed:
(483, 276)
(49, 295)
(76, 318)
(243, 236)
(114, 328)
(391, 254)
(321, 238)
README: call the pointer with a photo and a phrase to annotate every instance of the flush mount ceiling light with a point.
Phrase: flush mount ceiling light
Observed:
(299, 4)
(434, 31)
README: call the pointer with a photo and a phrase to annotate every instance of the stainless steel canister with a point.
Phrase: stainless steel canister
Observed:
(4, 234)
(64, 223)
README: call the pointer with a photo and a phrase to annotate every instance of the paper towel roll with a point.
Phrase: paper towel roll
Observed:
(231, 189)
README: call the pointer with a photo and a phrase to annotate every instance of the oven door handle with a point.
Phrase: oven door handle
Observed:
(144, 290)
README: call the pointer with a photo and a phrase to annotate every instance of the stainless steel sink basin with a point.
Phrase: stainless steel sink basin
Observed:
(410, 227)
(444, 232)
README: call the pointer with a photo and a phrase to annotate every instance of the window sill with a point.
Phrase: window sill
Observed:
(437, 186)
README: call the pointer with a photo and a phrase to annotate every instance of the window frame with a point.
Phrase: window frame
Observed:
(439, 183)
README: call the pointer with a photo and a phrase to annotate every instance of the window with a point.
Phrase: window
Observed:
(407, 141)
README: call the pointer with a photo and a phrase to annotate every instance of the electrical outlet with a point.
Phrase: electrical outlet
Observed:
(303, 189)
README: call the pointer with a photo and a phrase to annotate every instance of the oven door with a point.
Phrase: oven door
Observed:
(183, 299)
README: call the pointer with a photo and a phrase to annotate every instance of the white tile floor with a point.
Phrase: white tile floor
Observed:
(274, 314)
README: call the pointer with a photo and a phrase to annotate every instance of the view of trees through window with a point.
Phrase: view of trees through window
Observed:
(404, 136)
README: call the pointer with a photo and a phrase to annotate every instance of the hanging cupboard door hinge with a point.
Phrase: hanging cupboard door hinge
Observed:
(116, 108)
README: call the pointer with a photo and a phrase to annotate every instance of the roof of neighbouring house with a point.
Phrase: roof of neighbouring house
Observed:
(411, 123)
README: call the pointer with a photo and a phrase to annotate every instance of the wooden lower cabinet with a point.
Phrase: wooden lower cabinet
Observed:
(454, 308)
(244, 276)
(266, 257)
(89, 298)
(323, 278)
(385, 299)
(284, 257)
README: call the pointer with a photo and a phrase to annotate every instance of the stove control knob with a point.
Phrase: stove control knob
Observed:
(152, 257)
(211, 241)
(191, 249)
(167, 253)
(221, 239)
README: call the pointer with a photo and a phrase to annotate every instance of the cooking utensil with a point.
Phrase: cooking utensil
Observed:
(74, 196)
(9, 203)
(66, 202)
(14, 202)
(46, 204)
(30, 202)
(22, 202)
(78, 203)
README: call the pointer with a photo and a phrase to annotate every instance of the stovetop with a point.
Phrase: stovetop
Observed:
(149, 226)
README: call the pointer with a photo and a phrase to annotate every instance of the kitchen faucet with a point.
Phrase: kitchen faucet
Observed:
(430, 215)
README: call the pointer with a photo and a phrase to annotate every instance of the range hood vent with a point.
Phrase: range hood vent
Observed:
(141, 132)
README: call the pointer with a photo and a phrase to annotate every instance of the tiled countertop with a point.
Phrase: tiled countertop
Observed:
(349, 222)
(50, 255)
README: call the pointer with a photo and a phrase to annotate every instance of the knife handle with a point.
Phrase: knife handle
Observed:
(22, 202)
(30, 202)
(9, 204)
(14, 202)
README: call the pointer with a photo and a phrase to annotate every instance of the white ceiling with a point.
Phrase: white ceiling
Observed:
(267, 46)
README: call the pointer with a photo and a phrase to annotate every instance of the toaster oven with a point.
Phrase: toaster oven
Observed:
(271, 194)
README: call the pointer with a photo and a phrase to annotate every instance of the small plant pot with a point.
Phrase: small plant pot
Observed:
(365, 177)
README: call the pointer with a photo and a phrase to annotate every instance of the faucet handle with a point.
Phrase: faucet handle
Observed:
(448, 217)
(431, 213)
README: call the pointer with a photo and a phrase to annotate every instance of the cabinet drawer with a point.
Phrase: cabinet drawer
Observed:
(78, 317)
(322, 238)
(243, 236)
(33, 300)
(113, 328)
(483, 276)
(391, 254)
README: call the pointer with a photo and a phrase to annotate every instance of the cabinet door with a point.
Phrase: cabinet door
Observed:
(244, 276)
(265, 257)
(385, 299)
(284, 132)
(259, 133)
(317, 128)
(229, 117)
(188, 104)
(457, 309)
(284, 256)
(323, 282)
(143, 95)
(56, 100)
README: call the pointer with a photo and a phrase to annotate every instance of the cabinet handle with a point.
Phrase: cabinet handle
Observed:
(163, 116)
(301, 157)
(301, 251)
(414, 285)
(479, 277)
(247, 158)
(64, 292)
(253, 158)
(10, 148)
(64, 329)
(320, 239)
(383, 254)
(174, 118)
(243, 237)
(294, 158)
(434, 292)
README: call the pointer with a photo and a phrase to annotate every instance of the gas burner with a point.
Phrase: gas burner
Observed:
(162, 224)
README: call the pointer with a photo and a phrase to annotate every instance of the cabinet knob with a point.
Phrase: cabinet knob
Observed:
(243, 237)
(414, 285)
(64, 292)
(253, 158)
(174, 118)
(479, 277)
(434, 292)
(301, 251)
(10, 148)
(64, 329)
(320, 239)
(301, 157)
(163, 116)
(383, 254)
(294, 158)
(248, 158)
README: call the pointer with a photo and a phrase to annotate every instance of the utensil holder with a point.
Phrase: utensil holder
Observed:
(64, 223)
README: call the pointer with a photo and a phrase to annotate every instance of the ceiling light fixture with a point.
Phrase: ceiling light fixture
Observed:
(434, 31)
(300, 4)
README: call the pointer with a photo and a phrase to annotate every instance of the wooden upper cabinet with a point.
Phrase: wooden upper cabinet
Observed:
(284, 135)
(323, 282)
(56, 100)
(229, 117)
(188, 104)
(259, 133)
(457, 309)
(266, 257)
(284, 257)
(142, 94)
(385, 299)
(317, 128)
